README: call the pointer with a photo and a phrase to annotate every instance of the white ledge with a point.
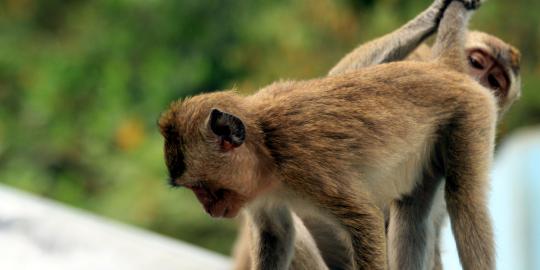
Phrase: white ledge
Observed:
(36, 233)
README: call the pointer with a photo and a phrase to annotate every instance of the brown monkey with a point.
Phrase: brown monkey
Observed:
(416, 219)
(326, 144)
(492, 62)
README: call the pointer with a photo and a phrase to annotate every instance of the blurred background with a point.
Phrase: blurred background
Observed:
(83, 82)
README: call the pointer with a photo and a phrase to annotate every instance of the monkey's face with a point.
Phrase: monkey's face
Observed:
(495, 65)
(205, 152)
(488, 72)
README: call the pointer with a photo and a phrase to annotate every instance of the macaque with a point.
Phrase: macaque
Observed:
(495, 65)
(415, 221)
(417, 218)
(492, 62)
(346, 147)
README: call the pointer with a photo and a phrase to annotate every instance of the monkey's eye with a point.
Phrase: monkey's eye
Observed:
(498, 80)
(475, 62)
(493, 82)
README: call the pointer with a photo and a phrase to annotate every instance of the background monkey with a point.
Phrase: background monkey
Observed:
(281, 145)
(494, 64)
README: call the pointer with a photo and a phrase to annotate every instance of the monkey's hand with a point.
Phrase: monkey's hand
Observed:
(472, 4)
(438, 8)
(273, 234)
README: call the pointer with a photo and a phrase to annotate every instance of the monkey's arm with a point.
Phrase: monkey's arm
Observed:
(277, 239)
(318, 244)
(449, 47)
(396, 45)
(272, 235)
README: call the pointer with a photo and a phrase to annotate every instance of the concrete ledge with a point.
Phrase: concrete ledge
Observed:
(36, 233)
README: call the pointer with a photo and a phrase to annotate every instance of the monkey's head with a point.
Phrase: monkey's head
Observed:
(211, 149)
(495, 65)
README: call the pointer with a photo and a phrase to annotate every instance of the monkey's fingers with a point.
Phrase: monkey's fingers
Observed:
(472, 4)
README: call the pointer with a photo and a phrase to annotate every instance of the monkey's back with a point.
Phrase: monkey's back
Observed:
(363, 120)
(374, 104)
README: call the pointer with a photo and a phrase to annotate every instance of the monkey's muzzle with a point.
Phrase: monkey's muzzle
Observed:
(217, 202)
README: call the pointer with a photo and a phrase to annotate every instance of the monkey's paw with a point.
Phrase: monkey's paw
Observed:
(472, 4)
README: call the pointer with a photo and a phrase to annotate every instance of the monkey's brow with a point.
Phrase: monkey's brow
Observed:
(504, 61)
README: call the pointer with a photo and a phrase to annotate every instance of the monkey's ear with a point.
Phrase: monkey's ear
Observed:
(229, 128)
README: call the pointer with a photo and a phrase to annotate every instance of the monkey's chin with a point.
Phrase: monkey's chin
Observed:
(221, 209)
(218, 203)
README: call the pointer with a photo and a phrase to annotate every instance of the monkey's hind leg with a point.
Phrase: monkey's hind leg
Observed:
(411, 230)
(470, 149)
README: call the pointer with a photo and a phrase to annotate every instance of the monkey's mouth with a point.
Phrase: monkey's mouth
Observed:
(217, 202)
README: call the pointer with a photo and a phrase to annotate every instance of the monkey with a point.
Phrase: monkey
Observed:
(493, 63)
(327, 143)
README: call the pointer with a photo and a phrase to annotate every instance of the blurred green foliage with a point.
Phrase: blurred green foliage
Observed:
(83, 82)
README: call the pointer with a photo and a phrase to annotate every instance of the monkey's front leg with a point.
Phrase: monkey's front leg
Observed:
(272, 232)
(276, 243)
